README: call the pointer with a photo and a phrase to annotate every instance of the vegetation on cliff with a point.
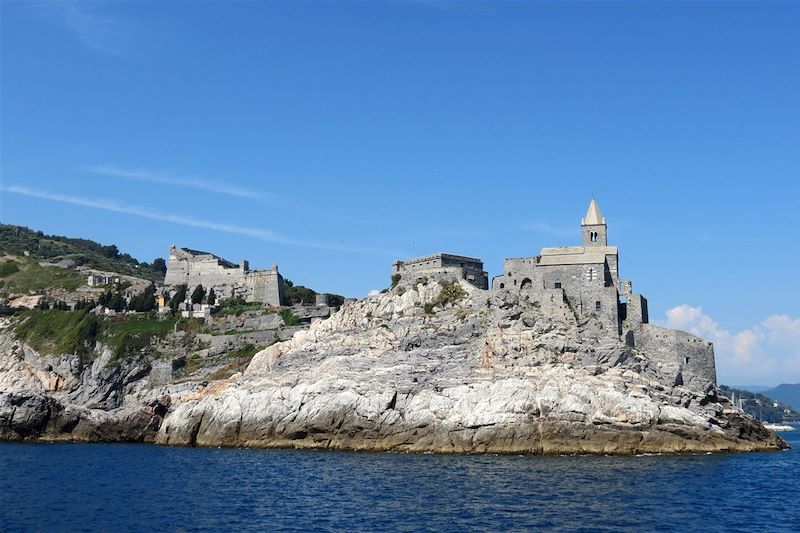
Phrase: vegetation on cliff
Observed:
(298, 294)
(78, 332)
(56, 331)
(16, 240)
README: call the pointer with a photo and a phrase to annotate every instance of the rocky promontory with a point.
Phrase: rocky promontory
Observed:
(445, 367)
(434, 366)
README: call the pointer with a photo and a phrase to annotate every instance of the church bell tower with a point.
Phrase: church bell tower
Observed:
(593, 226)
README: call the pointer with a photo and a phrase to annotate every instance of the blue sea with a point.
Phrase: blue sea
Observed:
(122, 487)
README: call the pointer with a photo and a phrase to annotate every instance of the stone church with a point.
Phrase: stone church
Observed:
(587, 277)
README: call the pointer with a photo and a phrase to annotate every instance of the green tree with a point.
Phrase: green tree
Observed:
(198, 294)
(149, 298)
(117, 302)
(212, 298)
(108, 251)
(159, 265)
(144, 301)
(178, 297)
(297, 294)
(104, 298)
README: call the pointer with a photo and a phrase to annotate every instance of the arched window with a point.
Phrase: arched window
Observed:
(593, 236)
(590, 274)
(502, 285)
(526, 284)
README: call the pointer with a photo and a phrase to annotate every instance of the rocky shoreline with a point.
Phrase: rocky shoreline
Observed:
(424, 367)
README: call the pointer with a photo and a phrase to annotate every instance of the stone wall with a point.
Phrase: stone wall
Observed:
(160, 372)
(636, 312)
(265, 286)
(467, 268)
(227, 279)
(688, 356)
(206, 269)
(516, 271)
(431, 275)
(589, 289)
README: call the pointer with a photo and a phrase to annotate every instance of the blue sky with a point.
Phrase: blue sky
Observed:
(332, 138)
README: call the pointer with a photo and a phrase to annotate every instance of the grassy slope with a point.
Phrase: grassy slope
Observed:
(58, 332)
(25, 275)
(15, 240)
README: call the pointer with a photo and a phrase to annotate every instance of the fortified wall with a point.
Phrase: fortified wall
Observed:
(192, 267)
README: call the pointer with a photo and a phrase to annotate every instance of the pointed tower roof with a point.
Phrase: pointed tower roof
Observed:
(593, 215)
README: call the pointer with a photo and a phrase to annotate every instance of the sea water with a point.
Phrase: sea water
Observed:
(127, 487)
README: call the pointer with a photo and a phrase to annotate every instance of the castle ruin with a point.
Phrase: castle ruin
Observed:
(228, 280)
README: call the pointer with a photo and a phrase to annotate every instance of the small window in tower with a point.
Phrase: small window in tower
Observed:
(590, 274)
(597, 306)
(558, 285)
(686, 360)
(502, 285)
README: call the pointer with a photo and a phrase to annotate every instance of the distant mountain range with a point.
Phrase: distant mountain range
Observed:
(786, 393)
(752, 388)
(761, 406)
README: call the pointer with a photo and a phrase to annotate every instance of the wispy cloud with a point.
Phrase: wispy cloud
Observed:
(258, 233)
(172, 179)
(99, 32)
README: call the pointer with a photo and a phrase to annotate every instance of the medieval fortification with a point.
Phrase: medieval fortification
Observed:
(228, 280)
(587, 277)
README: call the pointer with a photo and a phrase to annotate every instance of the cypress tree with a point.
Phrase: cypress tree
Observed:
(198, 294)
